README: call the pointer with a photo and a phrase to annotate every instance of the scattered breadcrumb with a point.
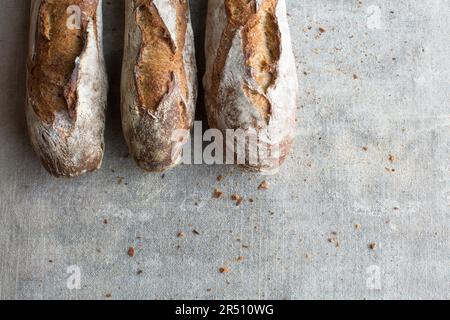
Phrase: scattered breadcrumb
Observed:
(180, 234)
(264, 185)
(224, 270)
(334, 239)
(240, 259)
(322, 30)
(365, 148)
(218, 194)
(220, 178)
(131, 252)
(139, 272)
(372, 246)
(237, 198)
(357, 226)
(391, 158)
(196, 232)
(108, 295)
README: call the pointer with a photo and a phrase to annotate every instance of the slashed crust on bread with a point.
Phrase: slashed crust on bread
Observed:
(250, 83)
(66, 85)
(159, 80)
(53, 70)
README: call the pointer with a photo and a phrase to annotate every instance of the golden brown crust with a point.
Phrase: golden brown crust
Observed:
(261, 44)
(159, 59)
(53, 72)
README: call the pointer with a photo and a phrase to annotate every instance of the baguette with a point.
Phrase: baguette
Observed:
(159, 84)
(66, 85)
(251, 82)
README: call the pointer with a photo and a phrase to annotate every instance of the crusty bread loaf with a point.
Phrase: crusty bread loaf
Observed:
(159, 85)
(250, 81)
(66, 85)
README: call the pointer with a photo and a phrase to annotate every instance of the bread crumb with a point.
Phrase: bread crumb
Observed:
(218, 194)
(220, 178)
(224, 270)
(391, 158)
(131, 252)
(322, 30)
(180, 234)
(365, 148)
(196, 232)
(240, 259)
(372, 246)
(263, 185)
(237, 198)
(335, 242)
(357, 226)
